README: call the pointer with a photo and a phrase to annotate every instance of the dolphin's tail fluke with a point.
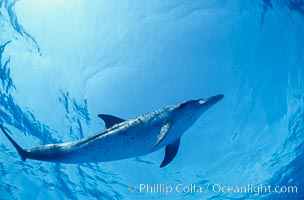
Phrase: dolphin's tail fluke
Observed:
(21, 151)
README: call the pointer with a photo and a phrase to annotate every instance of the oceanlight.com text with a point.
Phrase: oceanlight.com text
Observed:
(216, 188)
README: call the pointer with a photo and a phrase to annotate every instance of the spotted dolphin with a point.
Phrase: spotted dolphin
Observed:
(126, 138)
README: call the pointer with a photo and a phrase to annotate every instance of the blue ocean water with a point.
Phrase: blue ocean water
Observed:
(62, 62)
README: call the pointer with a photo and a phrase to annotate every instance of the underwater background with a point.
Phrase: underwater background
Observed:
(65, 61)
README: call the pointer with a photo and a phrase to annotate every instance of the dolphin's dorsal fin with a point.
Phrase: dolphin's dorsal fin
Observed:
(170, 153)
(162, 134)
(110, 120)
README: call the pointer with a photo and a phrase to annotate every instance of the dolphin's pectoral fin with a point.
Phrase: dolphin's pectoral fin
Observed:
(170, 153)
(110, 120)
(162, 134)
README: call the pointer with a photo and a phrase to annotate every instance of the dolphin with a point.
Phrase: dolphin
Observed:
(126, 138)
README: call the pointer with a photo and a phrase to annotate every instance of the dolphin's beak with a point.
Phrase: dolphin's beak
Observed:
(215, 98)
(212, 100)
